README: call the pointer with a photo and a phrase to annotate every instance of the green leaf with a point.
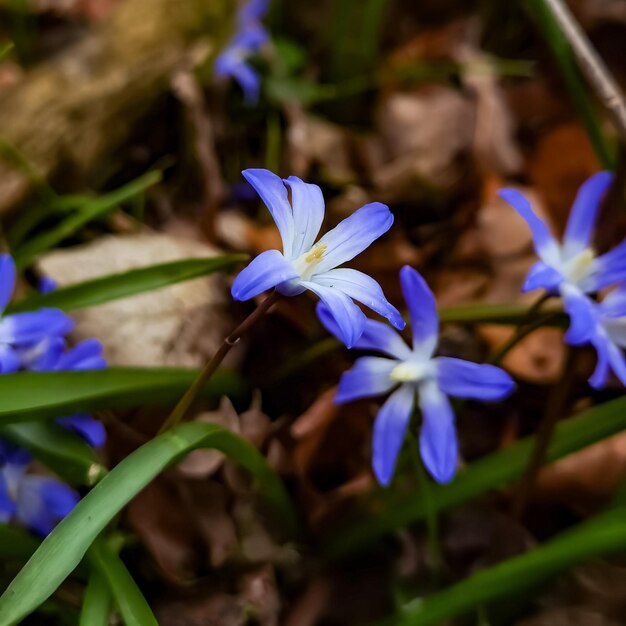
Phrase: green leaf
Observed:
(95, 208)
(602, 535)
(66, 545)
(29, 396)
(133, 607)
(126, 284)
(506, 314)
(62, 451)
(491, 472)
(96, 601)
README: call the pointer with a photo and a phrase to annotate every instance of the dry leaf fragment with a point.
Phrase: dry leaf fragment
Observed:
(180, 325)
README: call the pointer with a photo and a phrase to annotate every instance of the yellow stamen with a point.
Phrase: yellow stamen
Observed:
(316, 253)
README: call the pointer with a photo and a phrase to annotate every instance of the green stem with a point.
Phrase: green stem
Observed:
(526, 326)
(432, 522)
(185, 403)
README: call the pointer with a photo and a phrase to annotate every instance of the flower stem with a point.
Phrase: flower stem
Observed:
(555, 407)
(432, 522)
(526, 326)
(183, 406)
(592, 65)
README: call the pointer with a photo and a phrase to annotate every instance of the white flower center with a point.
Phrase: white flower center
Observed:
(410, 372)
(578, 268)
(305, 264)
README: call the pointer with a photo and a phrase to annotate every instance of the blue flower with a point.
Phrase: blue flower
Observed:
(407, 372)
(50, 355)
(39, 503)
(306, 265)
(23, 329)
(571, 268)
(249, 36)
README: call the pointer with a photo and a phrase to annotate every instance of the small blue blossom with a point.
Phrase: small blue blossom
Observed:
(571, 269)
(250, 35)
(51, 355)
(407, 372)
(37, 502)
(47, 284)
(306, 265)
(23, 329)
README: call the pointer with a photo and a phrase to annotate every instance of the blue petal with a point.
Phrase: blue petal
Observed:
(438, 440)
(42, 502)
(86, 355)
(354, 234)
(307, 203)
(43, 355)
(47, 284)
(7, 280)
(584, 212)
(12, 455)
(89, 428)
(267, 270)
(376, 336)
(617, 362)
(582, 315)
(363, 289)
(254, 10)
(601, 373)
(9, 359)
(422, 311)
(610, 267)
(542, 276)
(609, 356)
(614, 303)
(248, 39)
(7, 505)
(390, 428)
(274, 195)
(369, 377)
(545, 244)
(248, 79)
(472, 381)
(28, 328)
(349, 318)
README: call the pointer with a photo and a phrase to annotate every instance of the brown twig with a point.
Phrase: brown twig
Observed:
(189, 93)
(183, 406)
(592, 65)
(556, 406)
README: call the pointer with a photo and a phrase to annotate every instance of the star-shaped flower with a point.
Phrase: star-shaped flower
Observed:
(307, 265)
(571, 268)
(414, 372)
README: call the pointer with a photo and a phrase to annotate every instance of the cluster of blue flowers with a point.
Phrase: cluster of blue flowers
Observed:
(409, 373)
(35, 341)
(250, 35)
(573, 271)
(415, 376)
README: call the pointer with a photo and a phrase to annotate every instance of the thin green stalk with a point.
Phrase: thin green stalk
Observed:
(432, 522)
(528, 324)
(182, 408)
(604, 534)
